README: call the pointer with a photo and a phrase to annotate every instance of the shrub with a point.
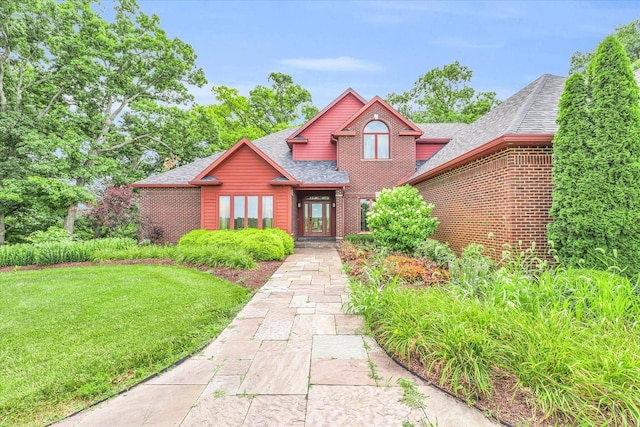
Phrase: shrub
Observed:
(473, 270)
(53, 234)
(192, 237)
(220, 238)
(433, 250)
(263, 247)
(285, 238)
(400, 219)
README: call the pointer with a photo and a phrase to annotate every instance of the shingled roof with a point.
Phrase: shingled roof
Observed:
(533, 110)
(274, 146)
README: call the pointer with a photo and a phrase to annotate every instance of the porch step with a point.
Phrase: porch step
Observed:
(316, 242)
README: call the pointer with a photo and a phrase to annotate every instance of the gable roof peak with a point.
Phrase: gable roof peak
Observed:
(409, 127)
(297, 135)
(243, 142)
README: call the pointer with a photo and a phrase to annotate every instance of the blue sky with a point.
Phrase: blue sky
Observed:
(384, 46)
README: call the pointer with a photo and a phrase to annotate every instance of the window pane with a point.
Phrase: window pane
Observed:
(267, 211)
(252, 211)
(369, 146)
(376, 126)
(225, 212)
(383, 146)
(328, 218)
(238, 212)
(364, 208)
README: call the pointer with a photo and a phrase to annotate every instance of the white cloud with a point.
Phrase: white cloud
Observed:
(342, 63)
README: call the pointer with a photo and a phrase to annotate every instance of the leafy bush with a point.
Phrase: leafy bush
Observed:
(192, 237)
(473, 270)
(400, 219)
(286, 239)
(263, 246)
(136, 252)
(433, 250)
(53, 234)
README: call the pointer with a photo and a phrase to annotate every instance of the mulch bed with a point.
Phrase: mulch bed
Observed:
(250, 279)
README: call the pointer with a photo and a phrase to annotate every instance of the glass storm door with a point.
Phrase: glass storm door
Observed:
(317, 218)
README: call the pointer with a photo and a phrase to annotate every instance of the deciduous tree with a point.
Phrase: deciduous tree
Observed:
(265, 110)
(442, 95)
(628, 35)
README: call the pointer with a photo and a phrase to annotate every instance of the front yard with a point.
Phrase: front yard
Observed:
(72, 336)
(531, 345)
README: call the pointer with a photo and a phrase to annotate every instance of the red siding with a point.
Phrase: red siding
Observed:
(425, 151)
(246, 173)
(319, 146)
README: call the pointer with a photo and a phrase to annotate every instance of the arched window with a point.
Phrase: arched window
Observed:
(376, 140)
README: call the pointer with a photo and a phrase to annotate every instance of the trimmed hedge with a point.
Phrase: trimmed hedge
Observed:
(263, 245)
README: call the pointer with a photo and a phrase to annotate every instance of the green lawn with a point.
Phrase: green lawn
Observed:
(72, 336)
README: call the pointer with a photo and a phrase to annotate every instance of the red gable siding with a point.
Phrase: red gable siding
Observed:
(245, 173)
(425, 151)
(319, 146)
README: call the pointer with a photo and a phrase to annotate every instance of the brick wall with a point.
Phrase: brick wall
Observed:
(176, 210)
(370, 176)
(502, 198)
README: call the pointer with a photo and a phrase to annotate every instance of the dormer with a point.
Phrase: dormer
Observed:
(313, 140)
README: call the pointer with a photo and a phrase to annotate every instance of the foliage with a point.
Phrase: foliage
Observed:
(91, 332)
(400, 219)
(442, 95)
(263, 246)
(58, 252)
(193, 237)
(359, 239)
(596, 197)
(628, 35)
(114, 211)
(565, 337)
(53, 234)
(287, 241)
(264, 111)
(215, 256)
(433, 250)
(85, 101)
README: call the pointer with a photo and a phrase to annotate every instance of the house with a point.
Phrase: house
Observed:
(490, 181)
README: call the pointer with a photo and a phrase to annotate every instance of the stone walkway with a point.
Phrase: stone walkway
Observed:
(290, 358)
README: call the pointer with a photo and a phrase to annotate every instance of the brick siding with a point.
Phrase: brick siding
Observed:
(502, 198)
(175, 210)
(370, 176)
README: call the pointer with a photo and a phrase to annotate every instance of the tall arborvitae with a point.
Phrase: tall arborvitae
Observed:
(571, 159)
(602, 210)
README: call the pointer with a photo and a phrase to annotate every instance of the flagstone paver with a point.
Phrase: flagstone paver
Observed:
(291, 357)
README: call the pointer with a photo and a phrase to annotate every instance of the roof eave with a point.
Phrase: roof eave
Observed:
(159, 185)
(493, 146)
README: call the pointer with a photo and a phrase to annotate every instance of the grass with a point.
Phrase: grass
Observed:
(70, 337)
(568, 336)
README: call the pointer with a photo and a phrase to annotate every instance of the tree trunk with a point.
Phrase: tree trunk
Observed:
(3, 230)
(70, 219)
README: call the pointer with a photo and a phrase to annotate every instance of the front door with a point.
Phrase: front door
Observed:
(317, 218)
